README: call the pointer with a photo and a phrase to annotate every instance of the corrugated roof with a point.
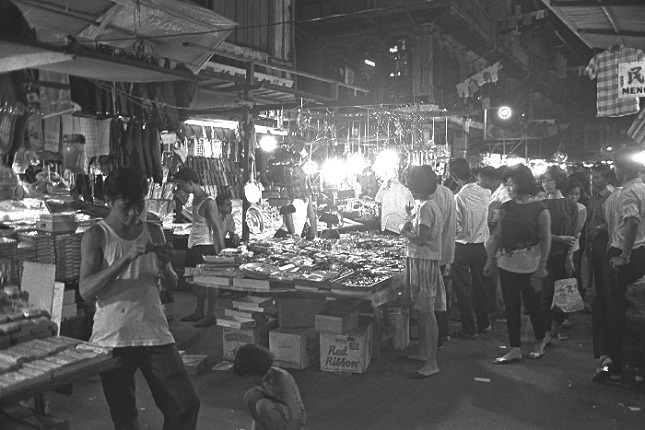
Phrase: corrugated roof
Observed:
(603, 23)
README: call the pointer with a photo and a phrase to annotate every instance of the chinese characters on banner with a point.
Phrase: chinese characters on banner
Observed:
(631, 79)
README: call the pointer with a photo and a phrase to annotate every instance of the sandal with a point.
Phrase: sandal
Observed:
(561, 336)
(604, 371)
(538, 350)
(513, 355)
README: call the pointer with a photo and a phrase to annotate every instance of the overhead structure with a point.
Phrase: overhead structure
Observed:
(603, 23)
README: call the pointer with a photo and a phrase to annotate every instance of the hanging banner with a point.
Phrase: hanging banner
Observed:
(631, 79)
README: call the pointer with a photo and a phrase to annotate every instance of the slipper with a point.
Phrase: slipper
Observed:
(535, 355)
(207, 321)
(604, 371)
(191, 318)
(503, 360)
(562, 337)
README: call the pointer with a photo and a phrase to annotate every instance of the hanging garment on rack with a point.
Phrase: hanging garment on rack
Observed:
(604, 66)
(96, 133)
(637, 129)
(154, 141)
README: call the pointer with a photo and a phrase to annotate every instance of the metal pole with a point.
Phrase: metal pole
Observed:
(485, 122)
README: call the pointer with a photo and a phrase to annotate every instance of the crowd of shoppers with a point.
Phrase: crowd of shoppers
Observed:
(516, 233)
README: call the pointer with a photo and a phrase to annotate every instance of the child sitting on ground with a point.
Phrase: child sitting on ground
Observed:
(275, 402)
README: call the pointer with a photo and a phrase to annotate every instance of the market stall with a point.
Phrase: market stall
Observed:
(311, 285)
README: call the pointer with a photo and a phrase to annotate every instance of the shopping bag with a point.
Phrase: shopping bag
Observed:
(566, 297)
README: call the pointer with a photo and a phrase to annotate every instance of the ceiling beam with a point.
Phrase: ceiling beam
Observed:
(595, 3)
(602, 32)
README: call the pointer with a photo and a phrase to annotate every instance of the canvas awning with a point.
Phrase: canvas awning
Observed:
(603, 23)
(163, 27)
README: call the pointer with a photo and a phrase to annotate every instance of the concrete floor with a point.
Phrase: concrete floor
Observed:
(554, 392)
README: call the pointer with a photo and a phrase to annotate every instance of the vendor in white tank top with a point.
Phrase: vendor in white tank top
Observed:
(206, 238)
(123, 259)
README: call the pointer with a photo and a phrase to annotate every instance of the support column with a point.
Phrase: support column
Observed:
(248, 144)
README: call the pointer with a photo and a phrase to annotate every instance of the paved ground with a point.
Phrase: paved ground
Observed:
(554, 392)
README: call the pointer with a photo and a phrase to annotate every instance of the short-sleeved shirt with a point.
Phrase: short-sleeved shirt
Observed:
(445, 201)
(428, 214)
(632, 205)
(564, 213)
(472, 214)
(613, 215)
(394, 198)
(604, 66)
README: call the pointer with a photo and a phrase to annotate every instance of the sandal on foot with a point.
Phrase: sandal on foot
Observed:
(536, 354)
(604, 371)
(508, 358)
(562, 337)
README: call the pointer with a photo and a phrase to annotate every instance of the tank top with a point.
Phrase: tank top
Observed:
(200, 233)
(128, 311)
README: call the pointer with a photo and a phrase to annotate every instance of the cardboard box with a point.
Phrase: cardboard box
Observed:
(299, 312)
(336, 321)
(69, 297)
(347, 353)
(69, 311)
(294, 348)
(233, 338)
(399, 319)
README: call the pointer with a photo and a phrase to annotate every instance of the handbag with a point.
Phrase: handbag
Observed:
(566, 297)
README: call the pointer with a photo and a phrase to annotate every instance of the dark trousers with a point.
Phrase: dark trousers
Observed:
(170, 385)
(516, 287)
(599, 306)
(555, 267)
(618, 282)
(467, 273)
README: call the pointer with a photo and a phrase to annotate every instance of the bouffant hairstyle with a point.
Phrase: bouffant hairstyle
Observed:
(187, 174)
(460, 169)
(558, 175)
(128, 183)
(629, 161)
(572, 184)
(523, 178)
(252, 359)
(423, 180)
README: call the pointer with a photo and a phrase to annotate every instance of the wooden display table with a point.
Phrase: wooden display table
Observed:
(64, 376)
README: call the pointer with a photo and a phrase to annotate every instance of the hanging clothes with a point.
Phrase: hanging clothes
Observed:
(637, 129)
(154, 142)
(604, 66)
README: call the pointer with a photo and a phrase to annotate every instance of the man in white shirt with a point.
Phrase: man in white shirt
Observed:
(467, 270)
(490, 178)
(396, 201)
(626, 256)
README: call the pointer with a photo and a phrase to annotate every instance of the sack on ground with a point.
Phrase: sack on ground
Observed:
(566, 297)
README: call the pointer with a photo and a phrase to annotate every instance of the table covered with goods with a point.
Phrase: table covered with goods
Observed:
(292, 287)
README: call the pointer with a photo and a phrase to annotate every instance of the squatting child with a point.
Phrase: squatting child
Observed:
(274, 403)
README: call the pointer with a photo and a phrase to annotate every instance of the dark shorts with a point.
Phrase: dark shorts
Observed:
(195, 255)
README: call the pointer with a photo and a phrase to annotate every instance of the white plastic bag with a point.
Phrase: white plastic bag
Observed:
(566, 297)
